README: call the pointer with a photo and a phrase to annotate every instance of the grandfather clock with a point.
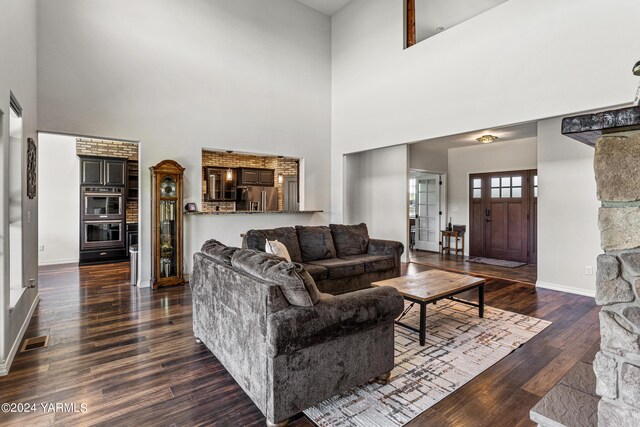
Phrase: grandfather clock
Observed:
(166, 220)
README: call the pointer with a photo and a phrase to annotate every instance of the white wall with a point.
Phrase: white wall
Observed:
(248, 75)
(376, 192)
(568, 236)
(425, 158)
(519, 62)
(58, 183)
(17, 75)
(520, 154)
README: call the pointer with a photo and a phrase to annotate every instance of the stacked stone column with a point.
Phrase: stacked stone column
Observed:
(617, 364)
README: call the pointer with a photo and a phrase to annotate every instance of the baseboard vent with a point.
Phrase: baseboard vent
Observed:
(34, 343)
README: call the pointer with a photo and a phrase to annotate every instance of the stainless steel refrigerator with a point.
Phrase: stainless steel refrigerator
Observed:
(252, 198)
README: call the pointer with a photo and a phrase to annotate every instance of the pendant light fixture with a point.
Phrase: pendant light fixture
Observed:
(229, 171)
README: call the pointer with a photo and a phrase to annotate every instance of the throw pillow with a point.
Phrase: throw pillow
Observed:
(277, 248)
(294, 281)
(255, 239)
(218, 251)
(316, 243)
(350, 239)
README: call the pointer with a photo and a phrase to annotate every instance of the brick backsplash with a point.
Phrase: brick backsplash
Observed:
(121, 149)
(286, 167)
(98, 147)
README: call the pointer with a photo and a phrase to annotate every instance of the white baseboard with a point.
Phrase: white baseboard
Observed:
(568, 289)
(6, 365)
(60, 261)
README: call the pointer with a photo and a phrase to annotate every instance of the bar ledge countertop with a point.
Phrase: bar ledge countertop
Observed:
(196, 213)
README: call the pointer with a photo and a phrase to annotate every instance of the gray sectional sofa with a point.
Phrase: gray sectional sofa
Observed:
(340, 258)
(288, 344)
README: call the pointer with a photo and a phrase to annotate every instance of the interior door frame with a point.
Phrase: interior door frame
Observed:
(414, 173)
(530, 209)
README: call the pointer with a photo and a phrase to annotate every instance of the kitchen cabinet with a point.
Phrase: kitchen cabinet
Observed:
(115, 172)
(253, 176)
(91, 171)
(103, 171)
(132, 184)
(102, 209)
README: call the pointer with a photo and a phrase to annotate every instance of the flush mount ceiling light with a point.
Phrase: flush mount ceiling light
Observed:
(636, 69)
(487, 139)
(439, 29)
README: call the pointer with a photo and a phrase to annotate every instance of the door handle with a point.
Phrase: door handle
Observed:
(488, 219)
(487, 212)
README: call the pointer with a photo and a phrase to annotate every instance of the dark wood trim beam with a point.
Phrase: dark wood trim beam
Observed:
(411, 22)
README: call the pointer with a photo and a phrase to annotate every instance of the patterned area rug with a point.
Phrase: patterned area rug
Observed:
(498, 262)
(459, 347)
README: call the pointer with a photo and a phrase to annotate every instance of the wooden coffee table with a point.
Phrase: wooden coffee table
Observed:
(431, 286)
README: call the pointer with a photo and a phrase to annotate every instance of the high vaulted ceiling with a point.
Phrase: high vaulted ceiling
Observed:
(328, 7)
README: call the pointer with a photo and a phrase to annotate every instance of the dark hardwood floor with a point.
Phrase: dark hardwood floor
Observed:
(525, 274)
(130, 356)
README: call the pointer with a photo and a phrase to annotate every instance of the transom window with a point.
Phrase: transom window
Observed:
(506, 187)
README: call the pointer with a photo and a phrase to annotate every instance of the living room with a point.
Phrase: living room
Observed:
(334, 84)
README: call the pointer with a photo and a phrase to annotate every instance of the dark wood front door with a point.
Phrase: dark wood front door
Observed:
(501, 206)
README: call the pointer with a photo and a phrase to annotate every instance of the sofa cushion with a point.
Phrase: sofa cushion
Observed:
(315, 243)
(218, 251)
(256, 239)
(350, 239)
(296, 283)
(318, 272)
(374, 263)
(338, 268)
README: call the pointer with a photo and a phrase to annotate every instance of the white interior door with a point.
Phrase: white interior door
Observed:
(428, 195)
